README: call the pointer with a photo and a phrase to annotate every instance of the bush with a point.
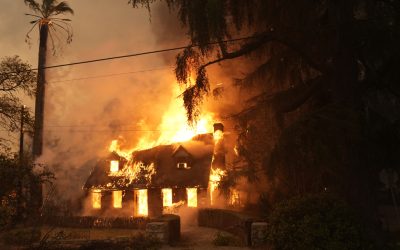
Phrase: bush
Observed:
(138, 242)
(222, 239)
(22, 236)
(318, 221)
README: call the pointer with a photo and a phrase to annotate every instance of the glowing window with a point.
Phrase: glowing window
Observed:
(114, 166)
(96, 199)
(183, 165)
(191, 197)
(142, 206)
(167, 197)
(117, 199)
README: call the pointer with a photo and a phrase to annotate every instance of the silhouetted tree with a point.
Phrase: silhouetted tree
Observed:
(49, 26)
(16, 78)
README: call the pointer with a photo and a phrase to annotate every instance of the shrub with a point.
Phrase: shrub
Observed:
(21, 236)
(138, 242)
(318, 221)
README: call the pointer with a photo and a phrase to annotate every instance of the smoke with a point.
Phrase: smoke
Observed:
(88, 106)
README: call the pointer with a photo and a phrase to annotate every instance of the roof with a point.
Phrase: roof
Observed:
(157, 167)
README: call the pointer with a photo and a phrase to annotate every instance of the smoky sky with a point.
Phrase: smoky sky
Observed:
(88, 105)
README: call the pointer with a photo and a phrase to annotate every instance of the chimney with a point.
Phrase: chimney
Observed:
(219, 148)
(218, 126)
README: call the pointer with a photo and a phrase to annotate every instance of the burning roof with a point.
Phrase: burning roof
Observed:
(184, 164)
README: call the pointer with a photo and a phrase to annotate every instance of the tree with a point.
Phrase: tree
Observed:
(16, 78)
(49, 26)
(324, 70)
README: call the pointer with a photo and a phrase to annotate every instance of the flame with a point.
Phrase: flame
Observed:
(174, 208)
(142, 206)
(117, 199)
(96, 199)
(215, 177)
(191, 197)
(234, 197)
(167, 197)
(114, 166)
(172, 129)
(132, 171)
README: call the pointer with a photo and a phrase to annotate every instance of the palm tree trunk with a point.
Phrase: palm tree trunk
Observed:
(36, 187)
(40, 92)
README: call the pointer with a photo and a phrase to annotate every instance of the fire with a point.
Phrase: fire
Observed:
(215, 177)
(191, 197)
(96, 199)
(167, 197)
(133, 170)
(172, 129)
(142, 206)
(117, 199)
(114, 166)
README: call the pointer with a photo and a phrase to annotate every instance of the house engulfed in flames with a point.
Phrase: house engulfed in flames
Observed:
(153, 181)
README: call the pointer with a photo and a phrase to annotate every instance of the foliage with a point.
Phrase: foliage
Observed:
(21, 236)
(16, 188)
(318, 221)
(138, 242)
(46, 15)
(326, 78)
(224, 239)
(16, 78)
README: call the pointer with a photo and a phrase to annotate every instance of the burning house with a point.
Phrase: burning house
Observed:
(151, 181)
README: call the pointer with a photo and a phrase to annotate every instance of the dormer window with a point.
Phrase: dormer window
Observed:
(114, 166)
(182, 165)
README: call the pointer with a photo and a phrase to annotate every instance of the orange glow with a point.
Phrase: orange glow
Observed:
(114, 166)
(96, 199)
(117, 199)
(218, 135)
(191, 197)
(234, 198)
(173, 128)
(215, 178)
(142, 206)
(167, 197)
(132, 170)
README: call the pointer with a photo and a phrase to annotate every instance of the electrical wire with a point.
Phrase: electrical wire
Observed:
(135, 54)
(110, 75)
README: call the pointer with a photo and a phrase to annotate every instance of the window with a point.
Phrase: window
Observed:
(141, 205)
(167, 197)
(117, 199)
(96, 199)
(191, 197)
(114, 166)
(182, 165)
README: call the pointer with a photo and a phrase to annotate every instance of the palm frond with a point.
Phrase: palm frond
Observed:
(61, 8)
(33, 5)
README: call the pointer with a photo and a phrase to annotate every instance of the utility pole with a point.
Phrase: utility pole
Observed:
(21, 135)
(21, 165)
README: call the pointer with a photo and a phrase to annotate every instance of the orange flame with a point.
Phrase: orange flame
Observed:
(173, 128)
(215, 177)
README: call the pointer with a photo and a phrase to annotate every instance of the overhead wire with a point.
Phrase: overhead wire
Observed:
(134, 54)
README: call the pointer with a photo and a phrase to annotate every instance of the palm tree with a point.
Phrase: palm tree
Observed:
(50, 26)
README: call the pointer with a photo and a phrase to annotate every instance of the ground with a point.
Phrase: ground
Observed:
(196, 238)
(192, 237)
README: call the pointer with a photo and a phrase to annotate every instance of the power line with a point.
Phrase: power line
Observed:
(135, 54)
(111, 75)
